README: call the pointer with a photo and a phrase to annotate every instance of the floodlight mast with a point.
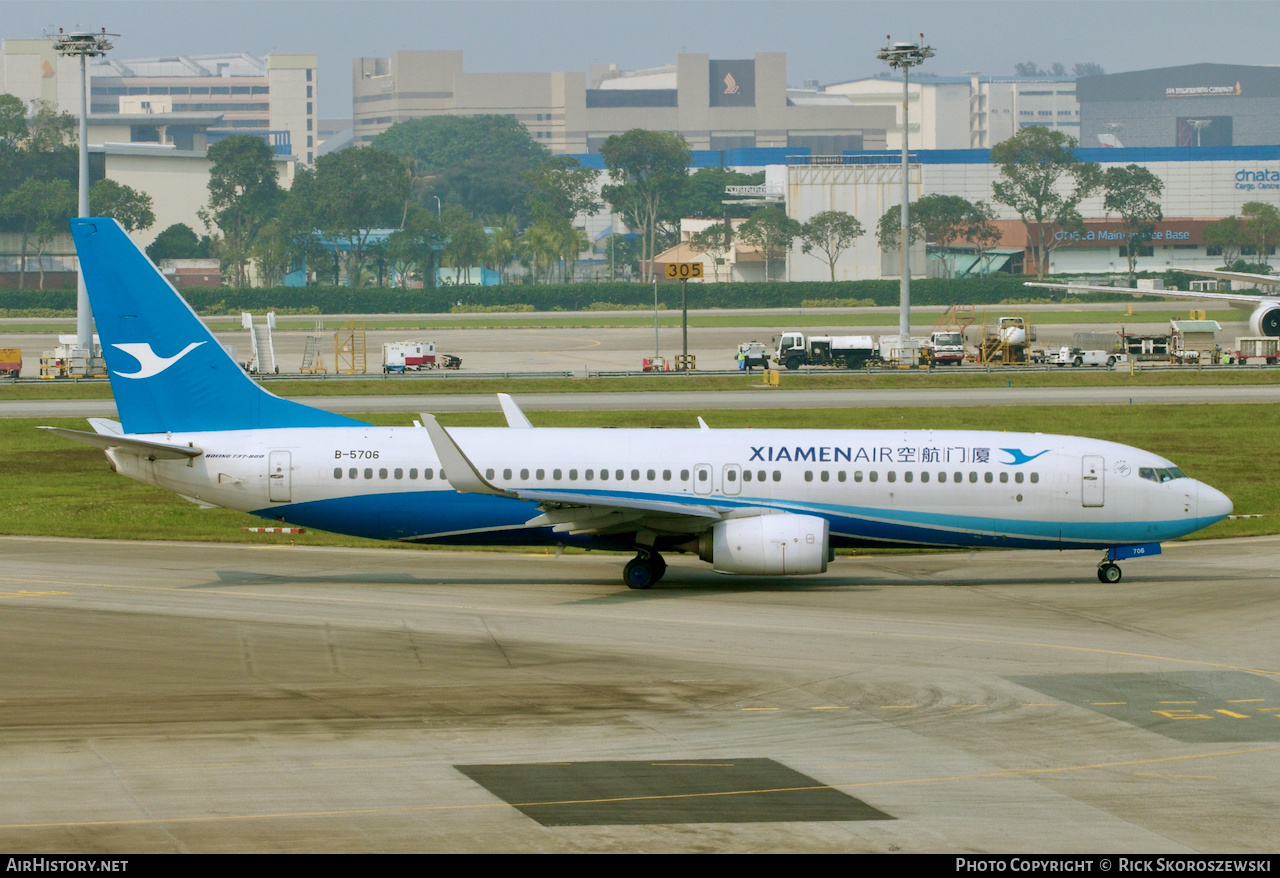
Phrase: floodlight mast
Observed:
(84, 45)
(904, 56)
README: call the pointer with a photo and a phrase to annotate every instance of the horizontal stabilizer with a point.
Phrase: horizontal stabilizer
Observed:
(129, 445)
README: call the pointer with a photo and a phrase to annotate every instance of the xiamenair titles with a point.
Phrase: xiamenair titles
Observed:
(915, 454)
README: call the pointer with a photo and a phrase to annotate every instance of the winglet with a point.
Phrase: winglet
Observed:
(463, 475)
(702, 424)
(515, 417)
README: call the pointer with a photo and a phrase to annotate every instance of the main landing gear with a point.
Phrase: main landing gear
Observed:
(642, 571)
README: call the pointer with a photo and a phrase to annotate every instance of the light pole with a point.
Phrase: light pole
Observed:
(904, 56)
(83, 44)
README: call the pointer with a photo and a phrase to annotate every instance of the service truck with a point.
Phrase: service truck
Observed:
(843, 351)
(945, 348)
(1069, 356)
(1259, 348)
(415, 356)
(10, 362)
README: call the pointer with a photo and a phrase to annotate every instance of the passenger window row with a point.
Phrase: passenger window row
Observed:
(383, 473)
(731, 475)
(924, 476)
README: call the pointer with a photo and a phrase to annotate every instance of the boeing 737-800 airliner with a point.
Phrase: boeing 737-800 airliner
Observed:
(766, 502)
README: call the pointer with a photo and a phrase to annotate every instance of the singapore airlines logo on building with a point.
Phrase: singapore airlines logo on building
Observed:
(152, 364)
(730, 84)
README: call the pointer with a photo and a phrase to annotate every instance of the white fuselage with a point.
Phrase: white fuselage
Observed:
(875, 487)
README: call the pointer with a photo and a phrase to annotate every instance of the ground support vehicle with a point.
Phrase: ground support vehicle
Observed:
(415, 356)
(753, 354)
(1258, 349)
(10, 362)
(840, 351)
(1068, 356)
(944, 348)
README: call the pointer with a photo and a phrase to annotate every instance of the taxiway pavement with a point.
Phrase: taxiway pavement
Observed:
(203, 697)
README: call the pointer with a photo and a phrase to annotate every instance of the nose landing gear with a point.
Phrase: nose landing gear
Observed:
(1109, 570)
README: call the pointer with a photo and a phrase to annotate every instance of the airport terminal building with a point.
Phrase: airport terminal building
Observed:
(715, 104)
(1194, 106)
(1200, 186)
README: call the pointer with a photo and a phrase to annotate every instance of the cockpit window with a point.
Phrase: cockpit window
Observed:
(1161, 474)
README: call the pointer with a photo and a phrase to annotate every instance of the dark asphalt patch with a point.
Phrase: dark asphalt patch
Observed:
(674, 791)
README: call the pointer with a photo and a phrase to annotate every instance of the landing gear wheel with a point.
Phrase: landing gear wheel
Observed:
(1109, 572)
(640, 573)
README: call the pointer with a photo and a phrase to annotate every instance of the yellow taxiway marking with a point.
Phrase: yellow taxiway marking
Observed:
(1177, 702)
(1232, 714)
(424, 809)
(899, 706)
(32, 594)
(693, 764)
(1245, 700)
(1179, 776)
(830, 707)
(761, 708)
(1117, 703)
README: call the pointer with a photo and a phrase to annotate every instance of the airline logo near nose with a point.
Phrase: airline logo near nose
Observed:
(152, 364)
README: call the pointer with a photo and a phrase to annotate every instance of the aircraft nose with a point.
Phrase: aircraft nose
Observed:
(1212, 503)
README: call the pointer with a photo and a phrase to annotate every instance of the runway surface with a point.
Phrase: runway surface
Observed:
(183, 697)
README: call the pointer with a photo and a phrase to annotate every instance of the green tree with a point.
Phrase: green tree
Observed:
(465, 241)
(831, 233)
(942, 222)
(1043, 180)
(772, 231)
(476, 162)
(703, 194)
(716, 240)
(41, 209)
(1228, 235)
(1133, 193)
(983, 233)
(1262, 225)
(50, 130)
(179, 241)
(244, 192)
(648, 169)
(354, 192)
(560, 189)
(124, 204)
(412, 248)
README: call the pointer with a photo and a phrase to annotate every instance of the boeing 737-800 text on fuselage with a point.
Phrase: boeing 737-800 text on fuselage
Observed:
(765, 502)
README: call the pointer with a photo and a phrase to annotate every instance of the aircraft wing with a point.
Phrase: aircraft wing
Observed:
(1262, 280)
(1235, 300)
(129, 445)
(574, 512)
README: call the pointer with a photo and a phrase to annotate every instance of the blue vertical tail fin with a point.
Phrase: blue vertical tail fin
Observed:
(168, 373)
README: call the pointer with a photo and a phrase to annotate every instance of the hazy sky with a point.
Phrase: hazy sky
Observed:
(828, 41)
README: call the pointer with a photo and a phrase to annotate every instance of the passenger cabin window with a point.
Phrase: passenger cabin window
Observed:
(337, 472)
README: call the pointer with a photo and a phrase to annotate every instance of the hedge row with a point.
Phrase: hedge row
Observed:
(572, 297)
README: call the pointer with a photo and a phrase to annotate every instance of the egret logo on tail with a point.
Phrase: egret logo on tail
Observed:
(152, 364)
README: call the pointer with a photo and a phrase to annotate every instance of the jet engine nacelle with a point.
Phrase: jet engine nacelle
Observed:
(1265, 320)
(780, 544)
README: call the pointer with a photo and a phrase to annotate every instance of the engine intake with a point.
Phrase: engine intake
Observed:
(1265, 320)
(780, 544)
